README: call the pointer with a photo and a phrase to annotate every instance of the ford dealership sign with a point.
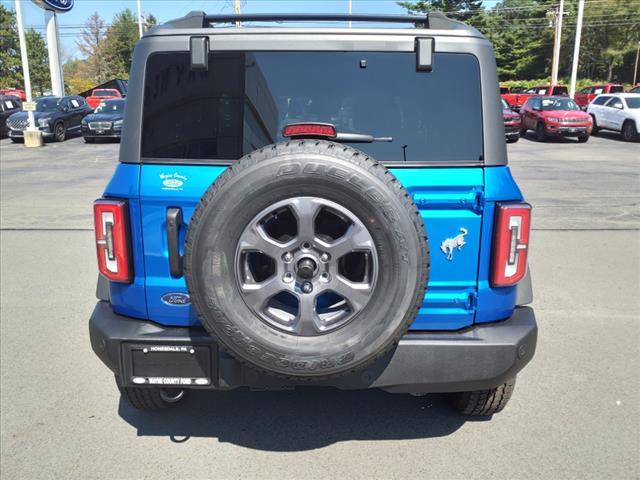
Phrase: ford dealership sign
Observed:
(60, 6)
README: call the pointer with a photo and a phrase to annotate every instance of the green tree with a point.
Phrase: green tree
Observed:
(10, 61)
(38, 62)
(610, 34)
(149, 21)
(120, 39)
(522, 37)
(458, 9)
(10, 66)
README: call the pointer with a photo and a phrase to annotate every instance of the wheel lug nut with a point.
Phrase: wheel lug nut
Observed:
(307, 287)
(287, 257)
(325, 257)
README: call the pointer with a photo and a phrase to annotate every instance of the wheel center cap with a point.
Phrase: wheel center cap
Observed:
(306, 268)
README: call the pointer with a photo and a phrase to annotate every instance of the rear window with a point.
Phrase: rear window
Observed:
(560, 90)
(616, 89)
(600, 100)
(245, 99)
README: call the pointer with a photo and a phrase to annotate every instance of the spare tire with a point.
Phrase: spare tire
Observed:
(306, 259)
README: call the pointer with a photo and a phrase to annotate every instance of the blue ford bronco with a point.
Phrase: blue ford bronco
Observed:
(313, 206)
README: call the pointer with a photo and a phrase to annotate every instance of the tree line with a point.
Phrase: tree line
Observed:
(106, 52)
(521, 31)
(522, 34)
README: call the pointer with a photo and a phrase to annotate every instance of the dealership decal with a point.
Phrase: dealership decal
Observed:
(172, 181)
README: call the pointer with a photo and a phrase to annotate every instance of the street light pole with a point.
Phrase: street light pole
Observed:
(236, 9)
(350, 11)
(25, 61)
(556, 44)
(139, 18)
(576, 49)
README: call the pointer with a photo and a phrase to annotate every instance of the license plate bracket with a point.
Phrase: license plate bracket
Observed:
(168, 365)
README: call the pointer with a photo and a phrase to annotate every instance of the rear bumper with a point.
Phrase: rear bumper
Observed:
(480, 357)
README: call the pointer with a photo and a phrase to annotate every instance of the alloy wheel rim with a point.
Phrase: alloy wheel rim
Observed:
(306, 266)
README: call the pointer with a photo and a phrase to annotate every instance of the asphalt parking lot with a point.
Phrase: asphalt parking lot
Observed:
(575, 412)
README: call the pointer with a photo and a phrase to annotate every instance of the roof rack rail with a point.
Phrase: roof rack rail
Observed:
(314, 17)
(432, 20)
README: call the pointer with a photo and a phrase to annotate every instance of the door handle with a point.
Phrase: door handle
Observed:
(174, 223)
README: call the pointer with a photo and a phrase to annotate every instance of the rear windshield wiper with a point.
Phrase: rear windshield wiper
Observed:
(359, 138)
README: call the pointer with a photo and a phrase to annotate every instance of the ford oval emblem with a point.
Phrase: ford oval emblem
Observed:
(60, 6)
(176, 299)
(172, 183)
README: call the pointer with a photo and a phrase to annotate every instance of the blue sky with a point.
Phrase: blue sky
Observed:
(70, 23)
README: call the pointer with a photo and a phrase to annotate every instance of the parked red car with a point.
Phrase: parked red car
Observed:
(14, 92)
(102, 94)
(512, 123)
(555, 116)
(516, 100)
(585, 96)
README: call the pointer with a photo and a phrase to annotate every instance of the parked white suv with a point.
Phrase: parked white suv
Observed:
(619, 112)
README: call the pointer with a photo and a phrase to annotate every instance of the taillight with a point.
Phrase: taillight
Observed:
(310, 130)
(111, 219)
(511, 243)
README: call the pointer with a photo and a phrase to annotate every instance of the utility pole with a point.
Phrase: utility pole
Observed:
(236, 9)
(350, 11)
(139, 18)
(556, 43)
(635, 70)
(576, 49)
(25, 61)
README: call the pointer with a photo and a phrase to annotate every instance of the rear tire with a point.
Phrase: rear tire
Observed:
(513, 140)
(629, 132)
(583, 138)
(483, 402)
(151, 399)
(17, 140)
(89, 140)
(541, 135)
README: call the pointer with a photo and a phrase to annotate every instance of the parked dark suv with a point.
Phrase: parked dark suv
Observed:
(55, 117)
(293, 208)
(9, 105)
(105, 121)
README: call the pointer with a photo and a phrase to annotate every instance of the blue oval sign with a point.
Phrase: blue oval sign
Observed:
(60, 6)
(176, 299)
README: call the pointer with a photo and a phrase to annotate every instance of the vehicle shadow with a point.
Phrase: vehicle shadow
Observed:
(531, 137)
(298, 420)
(610, 135)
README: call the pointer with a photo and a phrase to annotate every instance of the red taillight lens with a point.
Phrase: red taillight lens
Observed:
(111, 219)
(511, 243)
(310, 130)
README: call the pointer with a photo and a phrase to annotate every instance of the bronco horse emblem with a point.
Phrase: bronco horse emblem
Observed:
(449, 244)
